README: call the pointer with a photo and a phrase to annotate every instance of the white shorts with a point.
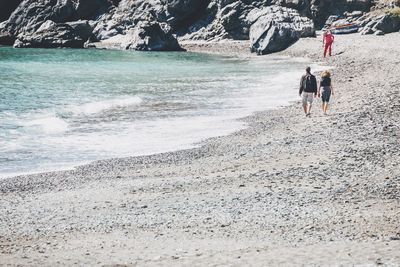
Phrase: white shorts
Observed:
(308, 98)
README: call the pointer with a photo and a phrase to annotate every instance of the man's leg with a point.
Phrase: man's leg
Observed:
(309, 108)
(310, 101)
(304, 101)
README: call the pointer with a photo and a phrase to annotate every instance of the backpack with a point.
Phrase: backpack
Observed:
(308, 85)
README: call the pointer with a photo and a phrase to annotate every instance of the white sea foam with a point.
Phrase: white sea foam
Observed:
(49, 124)
(147, 137)
(100, 106)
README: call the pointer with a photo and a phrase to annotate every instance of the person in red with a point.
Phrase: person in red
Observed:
(327, 42)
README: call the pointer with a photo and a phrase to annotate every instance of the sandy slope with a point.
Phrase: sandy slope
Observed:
(288, 190)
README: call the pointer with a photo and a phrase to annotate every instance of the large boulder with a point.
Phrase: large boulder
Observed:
(276, 28)
(275, 38)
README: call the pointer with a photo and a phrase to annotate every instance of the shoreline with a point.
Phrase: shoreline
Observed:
(239, 199)
(237, 49)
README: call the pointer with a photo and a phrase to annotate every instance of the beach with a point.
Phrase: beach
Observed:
(286, 191)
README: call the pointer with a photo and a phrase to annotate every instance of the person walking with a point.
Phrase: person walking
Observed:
(327, 41)
(308, 90)
(325, 90)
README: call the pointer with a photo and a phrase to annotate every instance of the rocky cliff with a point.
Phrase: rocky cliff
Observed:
(155, 25)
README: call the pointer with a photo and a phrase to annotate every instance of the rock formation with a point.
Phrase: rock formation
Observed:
(157, 24)
(53, 35)
(144, 36)
(378, 22)
(276, 28)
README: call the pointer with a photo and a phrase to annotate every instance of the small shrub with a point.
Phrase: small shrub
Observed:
(394, 11)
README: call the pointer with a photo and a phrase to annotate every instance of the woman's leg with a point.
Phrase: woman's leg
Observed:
(325, 107)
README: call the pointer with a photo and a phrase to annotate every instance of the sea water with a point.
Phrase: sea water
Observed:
(63, 107)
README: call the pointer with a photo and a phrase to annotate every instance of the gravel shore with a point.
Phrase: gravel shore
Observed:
(288, 190)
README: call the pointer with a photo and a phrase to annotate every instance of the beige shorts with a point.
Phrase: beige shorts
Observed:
(308, 98)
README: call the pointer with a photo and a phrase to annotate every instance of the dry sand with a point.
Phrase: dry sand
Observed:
(286, 191)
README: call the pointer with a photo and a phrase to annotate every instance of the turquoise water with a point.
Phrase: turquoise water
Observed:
(64, 107)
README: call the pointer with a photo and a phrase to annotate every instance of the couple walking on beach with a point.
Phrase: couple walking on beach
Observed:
(309, 90)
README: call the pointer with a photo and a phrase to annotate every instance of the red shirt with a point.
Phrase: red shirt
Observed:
(328, 38)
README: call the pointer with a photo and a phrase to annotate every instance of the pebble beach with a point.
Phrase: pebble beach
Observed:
(286, 191)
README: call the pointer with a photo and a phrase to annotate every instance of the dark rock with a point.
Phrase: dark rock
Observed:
(223, 20)
(54, 35)
(210, 20)
(303, 6)
(127, 15)
(358, 5)
(276, 28)
(148, 36)
(29, 16)
(183, 13)
(90, 9)
(232, 21)
(277, 37)
(6, 38)
(322, 9)
(81, 28)
(7, 7)
(388, 24)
